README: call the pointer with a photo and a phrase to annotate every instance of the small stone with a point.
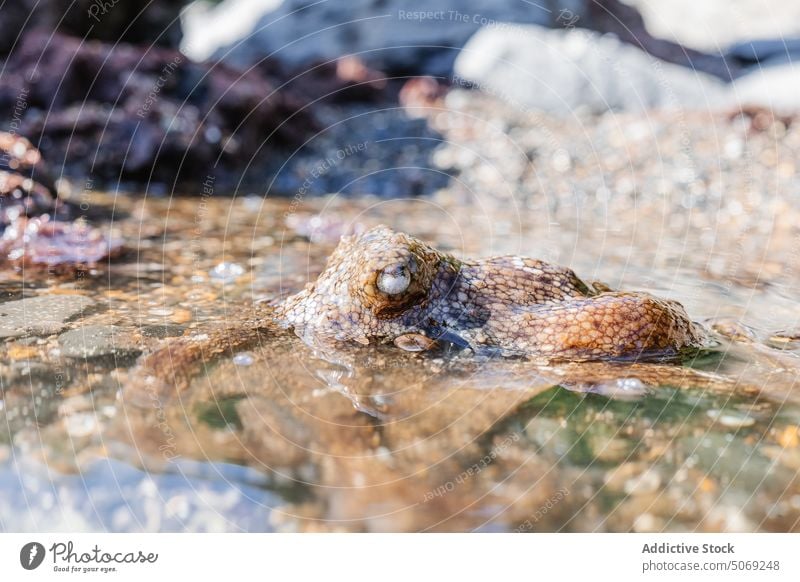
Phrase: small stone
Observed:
(561, 161)
(646, 482)
(621, 389)
(226, 272)
(161, 311)
(178, 506)
(18, 352)
(785, 340)
(243, 359)
(181, 316)
(414, 342)
(645, 523)
(733, 330)
(789, 437)
(80, 424)
(731, 418)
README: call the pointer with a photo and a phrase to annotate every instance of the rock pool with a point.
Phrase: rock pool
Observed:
(283, 436)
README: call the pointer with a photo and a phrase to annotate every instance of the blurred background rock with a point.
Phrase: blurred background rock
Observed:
(256, 92)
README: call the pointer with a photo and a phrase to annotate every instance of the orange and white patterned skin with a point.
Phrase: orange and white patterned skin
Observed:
(387, 286)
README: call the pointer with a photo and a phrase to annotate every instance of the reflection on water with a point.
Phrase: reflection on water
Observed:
(284, 437)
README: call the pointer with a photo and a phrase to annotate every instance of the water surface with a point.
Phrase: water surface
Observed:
(285, 437)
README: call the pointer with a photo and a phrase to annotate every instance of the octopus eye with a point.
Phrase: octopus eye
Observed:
(394, 280)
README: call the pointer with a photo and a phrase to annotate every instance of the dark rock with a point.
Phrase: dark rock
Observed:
(13, 18)
(344, 80)
(146, 113)
(363, 150)
(154, 23)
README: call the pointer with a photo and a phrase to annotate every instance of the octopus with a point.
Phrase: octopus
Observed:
(387, 286)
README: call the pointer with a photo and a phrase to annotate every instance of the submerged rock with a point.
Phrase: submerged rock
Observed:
(42, 315)
(162, 331)
(35, 223)
(40, 242)
(97, 341)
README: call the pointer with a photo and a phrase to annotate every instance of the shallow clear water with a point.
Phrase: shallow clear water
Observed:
(282, 437)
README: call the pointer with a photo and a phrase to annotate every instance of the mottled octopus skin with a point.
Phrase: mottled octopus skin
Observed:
(512, 304)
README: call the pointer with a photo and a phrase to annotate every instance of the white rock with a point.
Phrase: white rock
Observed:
(207, 27)
(774, 87)
(566, 71)
(712, 24)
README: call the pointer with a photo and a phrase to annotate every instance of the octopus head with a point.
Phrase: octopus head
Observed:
(375, 285)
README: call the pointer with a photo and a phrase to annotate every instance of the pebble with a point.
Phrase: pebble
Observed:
(645, 523)
(621, 389)
(243, 359)
(20, 352)
(226, 272)
(647, 482)
(80, 424)
(731, 418)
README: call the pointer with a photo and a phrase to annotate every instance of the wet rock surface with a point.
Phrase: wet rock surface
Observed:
(40, 315)
(382, 439)
(97, 341)
(58, 246)
(40, 230)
